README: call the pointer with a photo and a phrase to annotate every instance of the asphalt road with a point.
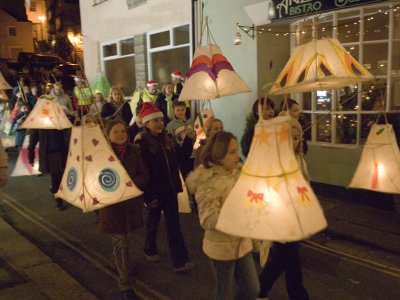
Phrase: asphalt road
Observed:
(71, 239)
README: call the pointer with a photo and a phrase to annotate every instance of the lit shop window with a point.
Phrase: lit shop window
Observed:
(118, 60)
(169, 49)
(372, 36)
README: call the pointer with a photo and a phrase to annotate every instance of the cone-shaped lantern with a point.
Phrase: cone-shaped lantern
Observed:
(94, 176)
(271, 199)
(211, 76)
(100, 84)
(200, 125)
(47, 114)
(319, 65)
(3, 83)
(379, 166)
(22, 167)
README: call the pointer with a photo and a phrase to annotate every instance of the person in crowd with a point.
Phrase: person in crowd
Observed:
(182, 131)
(98, 103)
(121, 219)
(165, 101)
(178, 82)
(268, 111)
(285, 257)
(82, 95)
(3, 166)
(63, 99)
(231, 256)
(151, 92)
(19, 118)
(293, 109)
(53, 151)
(117, 107)
(161, 194)
(136, 125)
(213, 126)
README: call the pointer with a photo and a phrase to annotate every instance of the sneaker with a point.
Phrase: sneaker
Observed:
(129, 295)
(185, 268)
(152, 258)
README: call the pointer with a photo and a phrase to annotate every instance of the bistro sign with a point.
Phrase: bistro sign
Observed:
(284, 9)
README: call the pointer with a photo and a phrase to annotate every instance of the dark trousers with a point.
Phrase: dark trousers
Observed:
(176, 243)
(56, 178)
(284, 258)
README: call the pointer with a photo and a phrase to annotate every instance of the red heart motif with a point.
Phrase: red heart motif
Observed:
(88, 158)
(111, 158)
(81, 197)
(95, 142)
(32, 119)
(95, 201)
(51, 118)
(70, 153)
(78, 157)
(129, 183)
(75, 141)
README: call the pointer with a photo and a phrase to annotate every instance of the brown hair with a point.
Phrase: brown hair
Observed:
(165, 87)
(117, 89)
(210, 124)
(111, 123)
(178, 103)
(264, 101)
(216, 148)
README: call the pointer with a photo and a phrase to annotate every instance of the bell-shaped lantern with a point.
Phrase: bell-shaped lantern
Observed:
(200, 125)
(94, 177)
(211, 76)
(379, 166)
(47, 114)
(271, 199)
(23, 167)
(100, 84)
(3, 83)
(319, 65)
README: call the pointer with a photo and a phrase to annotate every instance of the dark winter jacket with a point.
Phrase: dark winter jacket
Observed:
(124, 113)
(53, 149)
(162, 164)
(125, 216)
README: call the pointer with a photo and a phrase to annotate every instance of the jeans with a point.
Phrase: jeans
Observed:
(243, 271)
(122, 244)
(284, 258)
(176, 243)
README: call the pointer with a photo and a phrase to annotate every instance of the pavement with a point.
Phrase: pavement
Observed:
(357, 230)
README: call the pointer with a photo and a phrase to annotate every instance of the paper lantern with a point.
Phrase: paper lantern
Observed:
(94, 177)
(100, 85)
(47, 114)
(211, 76)
(319, 65)
(200, 125)
(22, 167)
(3, 83)
(271, 199)
(183, 198)
(379, 166)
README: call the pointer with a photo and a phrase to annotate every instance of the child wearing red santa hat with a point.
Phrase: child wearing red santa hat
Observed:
(158, 153)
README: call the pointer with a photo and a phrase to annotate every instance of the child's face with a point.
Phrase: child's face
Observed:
(168, 89)
(267, 112)
(215, 127)
(152, 89)
(180, 112)
(296, 135)
(118, 134)
(155, 126)
(116, 96)
(231, 159)
(294, 111)
(98, 98)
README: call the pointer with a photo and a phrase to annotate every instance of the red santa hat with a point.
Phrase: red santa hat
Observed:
(177, 74)
(149, 112)
(151, 83)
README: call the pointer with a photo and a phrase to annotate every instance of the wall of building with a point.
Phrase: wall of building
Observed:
(112, 19)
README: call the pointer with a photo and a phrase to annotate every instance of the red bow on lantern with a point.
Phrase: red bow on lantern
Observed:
(254, 197)
(303, 192)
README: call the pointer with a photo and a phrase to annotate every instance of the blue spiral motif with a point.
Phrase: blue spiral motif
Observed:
(72, 179)
(109, 180)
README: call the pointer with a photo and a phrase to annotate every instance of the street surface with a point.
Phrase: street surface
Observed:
(71, 239)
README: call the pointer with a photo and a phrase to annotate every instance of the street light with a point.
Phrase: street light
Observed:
(41, 19)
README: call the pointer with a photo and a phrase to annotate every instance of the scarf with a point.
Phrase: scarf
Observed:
(120, 150)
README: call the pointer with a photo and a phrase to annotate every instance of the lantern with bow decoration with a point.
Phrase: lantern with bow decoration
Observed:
(271, 199)
(94, 177)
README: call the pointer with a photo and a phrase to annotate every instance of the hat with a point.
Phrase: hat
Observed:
(177, 74)
(78, 79)
(149, 112)
(151, 83)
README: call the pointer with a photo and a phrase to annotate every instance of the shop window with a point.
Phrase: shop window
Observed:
(12, 31)
(164, 56)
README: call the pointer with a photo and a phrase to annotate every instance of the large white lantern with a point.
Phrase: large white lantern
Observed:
(271, 199)
(319, 65)
(94, 177)
(23, 167)
(379, 166)
(47, 114)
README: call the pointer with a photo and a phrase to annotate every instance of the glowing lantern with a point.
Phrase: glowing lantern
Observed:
(22, 167)
(200, 125)
(319, 65)
(183, 198)
(94, 177)
(271, 199)
(3, 83)
(47, 114)
(379, 166)
(100, 85)
(211, 76)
